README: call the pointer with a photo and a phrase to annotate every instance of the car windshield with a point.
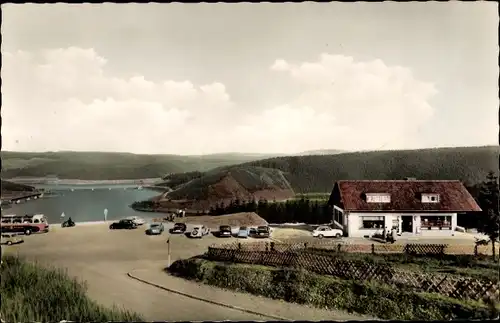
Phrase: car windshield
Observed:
(154, 225)
(225, 227)
(177, 225)
(243, 228)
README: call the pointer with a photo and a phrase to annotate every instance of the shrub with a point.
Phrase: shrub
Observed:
(31, 293)
(304, 287)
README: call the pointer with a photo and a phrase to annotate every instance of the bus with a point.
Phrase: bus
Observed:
(27, 224)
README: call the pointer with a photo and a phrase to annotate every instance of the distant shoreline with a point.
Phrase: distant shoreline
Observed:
(56, 181)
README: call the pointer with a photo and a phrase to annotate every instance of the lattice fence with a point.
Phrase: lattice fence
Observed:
(410, 249)
(328, 264)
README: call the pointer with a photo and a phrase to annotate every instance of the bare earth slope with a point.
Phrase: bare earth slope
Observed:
(218, 186)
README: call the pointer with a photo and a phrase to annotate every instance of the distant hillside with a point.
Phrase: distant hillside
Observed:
(310, 174)
(111, 166)
(242, 183)
(14, 187)
(318, 173)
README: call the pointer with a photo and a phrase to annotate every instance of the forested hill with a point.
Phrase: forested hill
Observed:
(308, 174)
(14, 187)
(318, 173)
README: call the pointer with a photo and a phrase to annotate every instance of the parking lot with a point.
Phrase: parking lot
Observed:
(104, 257)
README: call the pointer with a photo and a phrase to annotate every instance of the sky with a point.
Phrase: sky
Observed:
(254, 78)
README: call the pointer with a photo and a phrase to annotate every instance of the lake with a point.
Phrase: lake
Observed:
(83, 204)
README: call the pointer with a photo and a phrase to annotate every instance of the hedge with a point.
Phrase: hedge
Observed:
(303, 287)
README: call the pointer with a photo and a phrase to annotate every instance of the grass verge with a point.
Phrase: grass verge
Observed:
(304, 287)
(31, 293)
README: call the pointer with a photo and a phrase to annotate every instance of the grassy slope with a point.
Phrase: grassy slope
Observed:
(31, 293)
(101, 166)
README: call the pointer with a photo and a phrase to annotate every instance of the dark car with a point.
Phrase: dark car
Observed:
(252, 232)
(179, 228)
(263, 232)
(123, 224)
(225, 231)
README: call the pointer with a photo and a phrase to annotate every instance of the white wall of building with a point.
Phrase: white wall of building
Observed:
(354, 223)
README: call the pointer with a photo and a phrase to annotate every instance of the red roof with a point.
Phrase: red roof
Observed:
(405, 196)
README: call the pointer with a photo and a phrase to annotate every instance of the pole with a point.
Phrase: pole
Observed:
(168, 251)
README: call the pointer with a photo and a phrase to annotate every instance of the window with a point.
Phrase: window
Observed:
(17, 220)
(430, 198)
(372, 222)
(7, 220)
(36, 221)
(435, 222)
(378, 198)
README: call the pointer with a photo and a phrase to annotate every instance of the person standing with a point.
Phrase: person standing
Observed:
(393, 235)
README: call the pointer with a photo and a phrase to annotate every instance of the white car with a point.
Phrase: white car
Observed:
(199, 231)
(11, 238)
(326, 231)
(137, 220)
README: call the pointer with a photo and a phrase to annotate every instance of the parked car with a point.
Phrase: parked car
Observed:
(137, 220)
(326, 231)
(225, 231)
(199, 231)
(243, 232)
(11, 238)
(263, 232)
(179, 228)
(155, 228)
(252, 232)
(123, 224)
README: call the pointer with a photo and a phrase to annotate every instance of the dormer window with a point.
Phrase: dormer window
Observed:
(430, 198)
(378, 197)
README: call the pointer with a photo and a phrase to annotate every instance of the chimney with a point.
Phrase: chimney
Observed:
(410, 179)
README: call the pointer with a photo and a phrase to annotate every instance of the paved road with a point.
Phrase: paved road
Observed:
(103, 259)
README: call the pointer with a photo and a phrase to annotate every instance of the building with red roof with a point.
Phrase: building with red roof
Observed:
(412, 207)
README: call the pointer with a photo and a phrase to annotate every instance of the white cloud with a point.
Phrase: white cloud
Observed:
(63, 99)
(280, 65)
(372, 105)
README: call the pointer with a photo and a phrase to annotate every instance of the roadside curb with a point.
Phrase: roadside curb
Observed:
(131, 275)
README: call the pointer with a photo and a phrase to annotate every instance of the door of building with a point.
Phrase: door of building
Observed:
(407, 223)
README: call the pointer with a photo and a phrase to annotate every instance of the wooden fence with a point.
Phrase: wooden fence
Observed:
(328, 264)
(410, 248)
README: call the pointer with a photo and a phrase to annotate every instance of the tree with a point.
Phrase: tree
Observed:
(487, 199)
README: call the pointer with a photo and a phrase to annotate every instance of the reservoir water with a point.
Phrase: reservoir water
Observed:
(85, 203)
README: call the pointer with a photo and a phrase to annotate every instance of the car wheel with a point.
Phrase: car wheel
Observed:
(27, 232)
(321, 236)
(338, 235)
(9, 243)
